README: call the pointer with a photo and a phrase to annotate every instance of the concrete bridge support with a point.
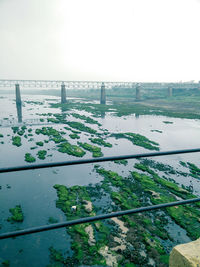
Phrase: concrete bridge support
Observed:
(63, 94)
(103, 94)
(138, 92)
(169, 91)
(19, 112)
(18, 95)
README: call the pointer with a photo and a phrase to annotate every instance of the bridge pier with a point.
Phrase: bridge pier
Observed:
(170, 91)
(138, 92)
(18, 95)
(63, 94)
(19, 112)
(103, 94)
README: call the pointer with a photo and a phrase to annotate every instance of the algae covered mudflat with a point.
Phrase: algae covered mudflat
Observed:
(70, 193)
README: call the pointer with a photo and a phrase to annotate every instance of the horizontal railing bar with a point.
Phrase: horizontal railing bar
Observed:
(95, 160)
(94, 218)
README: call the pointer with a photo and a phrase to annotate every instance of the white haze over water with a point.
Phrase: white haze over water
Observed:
(113, 40)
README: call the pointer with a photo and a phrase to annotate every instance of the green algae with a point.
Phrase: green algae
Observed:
(193, 169)
(168, 122)
(138, 140)
(16, 141)
(85, 118)
(69, 149)
(121, 162)
(81, 127)
(162, 191)
(1, 135)
(52, 220)
(96, 151)
(100, 141)
(40, 143)
(17, 214)
(74, 136)
(84, 252)
(29, 158)
(41, 154)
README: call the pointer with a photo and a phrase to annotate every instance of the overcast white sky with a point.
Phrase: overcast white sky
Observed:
(110, 40)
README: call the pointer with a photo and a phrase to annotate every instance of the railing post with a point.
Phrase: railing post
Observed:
(63, 94)
(103, 94)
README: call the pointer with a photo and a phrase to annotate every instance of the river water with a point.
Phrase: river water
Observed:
(34, 191)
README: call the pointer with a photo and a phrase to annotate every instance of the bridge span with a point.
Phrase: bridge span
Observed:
(5, 83)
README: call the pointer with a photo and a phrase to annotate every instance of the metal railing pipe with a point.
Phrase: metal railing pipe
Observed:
(96, 160)
(94, 218)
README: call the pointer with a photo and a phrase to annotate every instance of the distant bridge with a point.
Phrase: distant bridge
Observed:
(93, 84)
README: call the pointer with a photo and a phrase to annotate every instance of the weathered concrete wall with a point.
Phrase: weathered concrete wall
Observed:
(103, 94)
(186, 255)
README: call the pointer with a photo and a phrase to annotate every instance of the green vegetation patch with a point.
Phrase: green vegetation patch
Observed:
(53, 134)
(85, 118)
(157, 131)
(16, 141)
(121, 162)
(1, 135)
(193, 169)
(138, 140)
(100, 141)
(29, 158)
(17, 215)
(74, 136)
(41, 154)
(81, 127)
(163, 191)
(40, 143)
(168, 122)
(85, 252)
(96, 151)
(69, 149)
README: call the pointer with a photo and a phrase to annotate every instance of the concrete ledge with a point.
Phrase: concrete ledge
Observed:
(186, 255)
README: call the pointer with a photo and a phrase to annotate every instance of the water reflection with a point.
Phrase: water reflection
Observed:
(102, 114)
(19, 112)
(137, 115)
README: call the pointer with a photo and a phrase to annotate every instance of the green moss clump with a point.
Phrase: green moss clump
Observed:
(74, 136)
(57, 257)
(194, 170)
(16, 141)
(40, 143)
(15, 129)
(100, 142)
(159, 191)
(96, 151)
(81, 127)
(168, 122)
(52, 220)
(6, 263)
(138, 140)
(17, 215)
(29, 158)
(121, 161)
(69, 149)
(85, 118)
(42, 154)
